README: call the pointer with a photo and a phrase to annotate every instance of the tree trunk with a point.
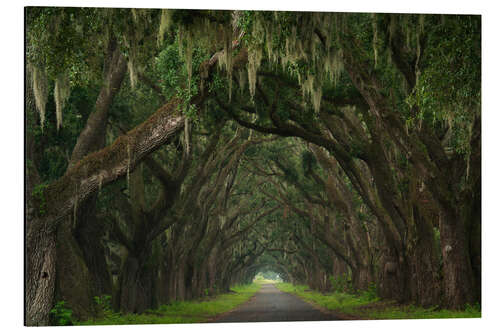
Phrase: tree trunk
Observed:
(362, 277)
(458, 278)
(426, 287)
(172, 287)
(394, 278)
(188, 281)
(73, 282)
(212, 271)
(475, 243)
(339, 266)
(89, 234)
(163, 272)
(40, 272)
(136, 289)
(180, 282)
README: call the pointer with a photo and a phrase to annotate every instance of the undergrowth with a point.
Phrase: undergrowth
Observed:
(181, 312)
(60, 315)
(367, 305)
(414, 312)
(333, 301)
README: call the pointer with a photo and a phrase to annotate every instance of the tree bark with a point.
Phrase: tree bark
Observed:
(40, 238)
(136, 292)
(89, 234)
(40, 272)
(457, 270)
(73, 277)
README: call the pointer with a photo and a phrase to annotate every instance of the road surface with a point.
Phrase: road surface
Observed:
(271, 304)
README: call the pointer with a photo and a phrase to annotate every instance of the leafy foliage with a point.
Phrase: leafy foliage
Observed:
(60, 315)
(341, 284)
(104, 303)
(181, 312)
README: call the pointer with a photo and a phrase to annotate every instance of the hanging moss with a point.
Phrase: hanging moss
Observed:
(100, 183)
(139, 42)
(254, 61)
(40, 89)
(228, 58)
(242, 80)
(165, 24)
(128, 165)
(299, 41)
(406, 30)
(421, 23)
(206, 32)
(134, 14)
(306, 47)
(75, 206)
(334, 65)
(132, 72)
(61, 94)
(226, 61)
(187, 142)
(375, 38)
(269, 46)
(189, 57)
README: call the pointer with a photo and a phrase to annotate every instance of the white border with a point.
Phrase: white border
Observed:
(13, 161)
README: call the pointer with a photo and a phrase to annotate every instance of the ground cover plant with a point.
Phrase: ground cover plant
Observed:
(198, 311)
(366, 305)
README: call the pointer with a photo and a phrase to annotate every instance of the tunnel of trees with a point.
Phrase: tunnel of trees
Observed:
(171, 154)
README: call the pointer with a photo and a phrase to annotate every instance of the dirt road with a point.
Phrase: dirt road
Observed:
(271, 304)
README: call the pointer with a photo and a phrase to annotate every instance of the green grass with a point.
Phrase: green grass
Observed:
(368, 307)
(335, 301)
(181, 312)
(414, 312)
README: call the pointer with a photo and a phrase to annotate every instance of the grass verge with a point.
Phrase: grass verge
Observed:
(181, 312)
(367, 306)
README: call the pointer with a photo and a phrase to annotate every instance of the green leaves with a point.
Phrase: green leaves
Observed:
(104, 303)
(167, 64)
(61, 315)
(308, 161)
(39, 196)
(59, 39)
(448, 88)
